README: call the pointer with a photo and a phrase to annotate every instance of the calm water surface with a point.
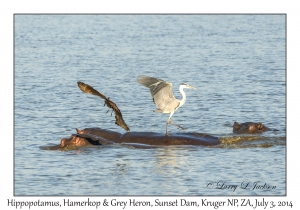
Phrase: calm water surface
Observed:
(236, 62)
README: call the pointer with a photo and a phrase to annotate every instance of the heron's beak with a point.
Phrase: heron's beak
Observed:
(191, 87)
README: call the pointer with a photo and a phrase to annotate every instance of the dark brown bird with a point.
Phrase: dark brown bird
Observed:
(118, 115)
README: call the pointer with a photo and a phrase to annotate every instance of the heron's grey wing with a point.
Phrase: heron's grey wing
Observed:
(148, 81)
(154, 84)
(161, 92)
(165, 100)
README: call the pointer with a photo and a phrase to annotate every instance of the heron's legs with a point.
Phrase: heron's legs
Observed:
(170, 121)
(167, 129)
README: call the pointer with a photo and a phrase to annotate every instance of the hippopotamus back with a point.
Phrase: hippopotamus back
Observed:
(152, 138)
(106, 134)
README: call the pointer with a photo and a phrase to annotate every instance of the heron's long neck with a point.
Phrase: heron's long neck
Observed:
(183, 95)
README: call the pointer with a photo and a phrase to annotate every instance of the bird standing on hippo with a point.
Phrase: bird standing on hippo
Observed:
(161, 92)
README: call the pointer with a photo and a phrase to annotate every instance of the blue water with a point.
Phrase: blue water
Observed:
(236, 62)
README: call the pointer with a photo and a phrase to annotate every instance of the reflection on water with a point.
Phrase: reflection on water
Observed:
(169, 159)
(236, 62)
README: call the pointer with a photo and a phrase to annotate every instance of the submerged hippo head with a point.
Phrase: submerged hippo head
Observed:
(250, 127)
(75, 140)
(78, 140)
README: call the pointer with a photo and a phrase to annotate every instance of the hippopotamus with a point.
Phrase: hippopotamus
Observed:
(98, 136)
(250, 127)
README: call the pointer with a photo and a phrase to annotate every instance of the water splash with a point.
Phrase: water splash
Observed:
(250, 141)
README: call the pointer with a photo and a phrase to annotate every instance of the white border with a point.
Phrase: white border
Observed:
(8, 8)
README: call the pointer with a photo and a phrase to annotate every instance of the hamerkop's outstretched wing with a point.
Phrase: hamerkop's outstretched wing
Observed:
(118, 115)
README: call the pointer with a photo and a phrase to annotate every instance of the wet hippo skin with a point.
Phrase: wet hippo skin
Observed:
(152, 138)
(175, 139)
(98, 136)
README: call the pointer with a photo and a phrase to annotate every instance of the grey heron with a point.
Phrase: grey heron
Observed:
(163, 97)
